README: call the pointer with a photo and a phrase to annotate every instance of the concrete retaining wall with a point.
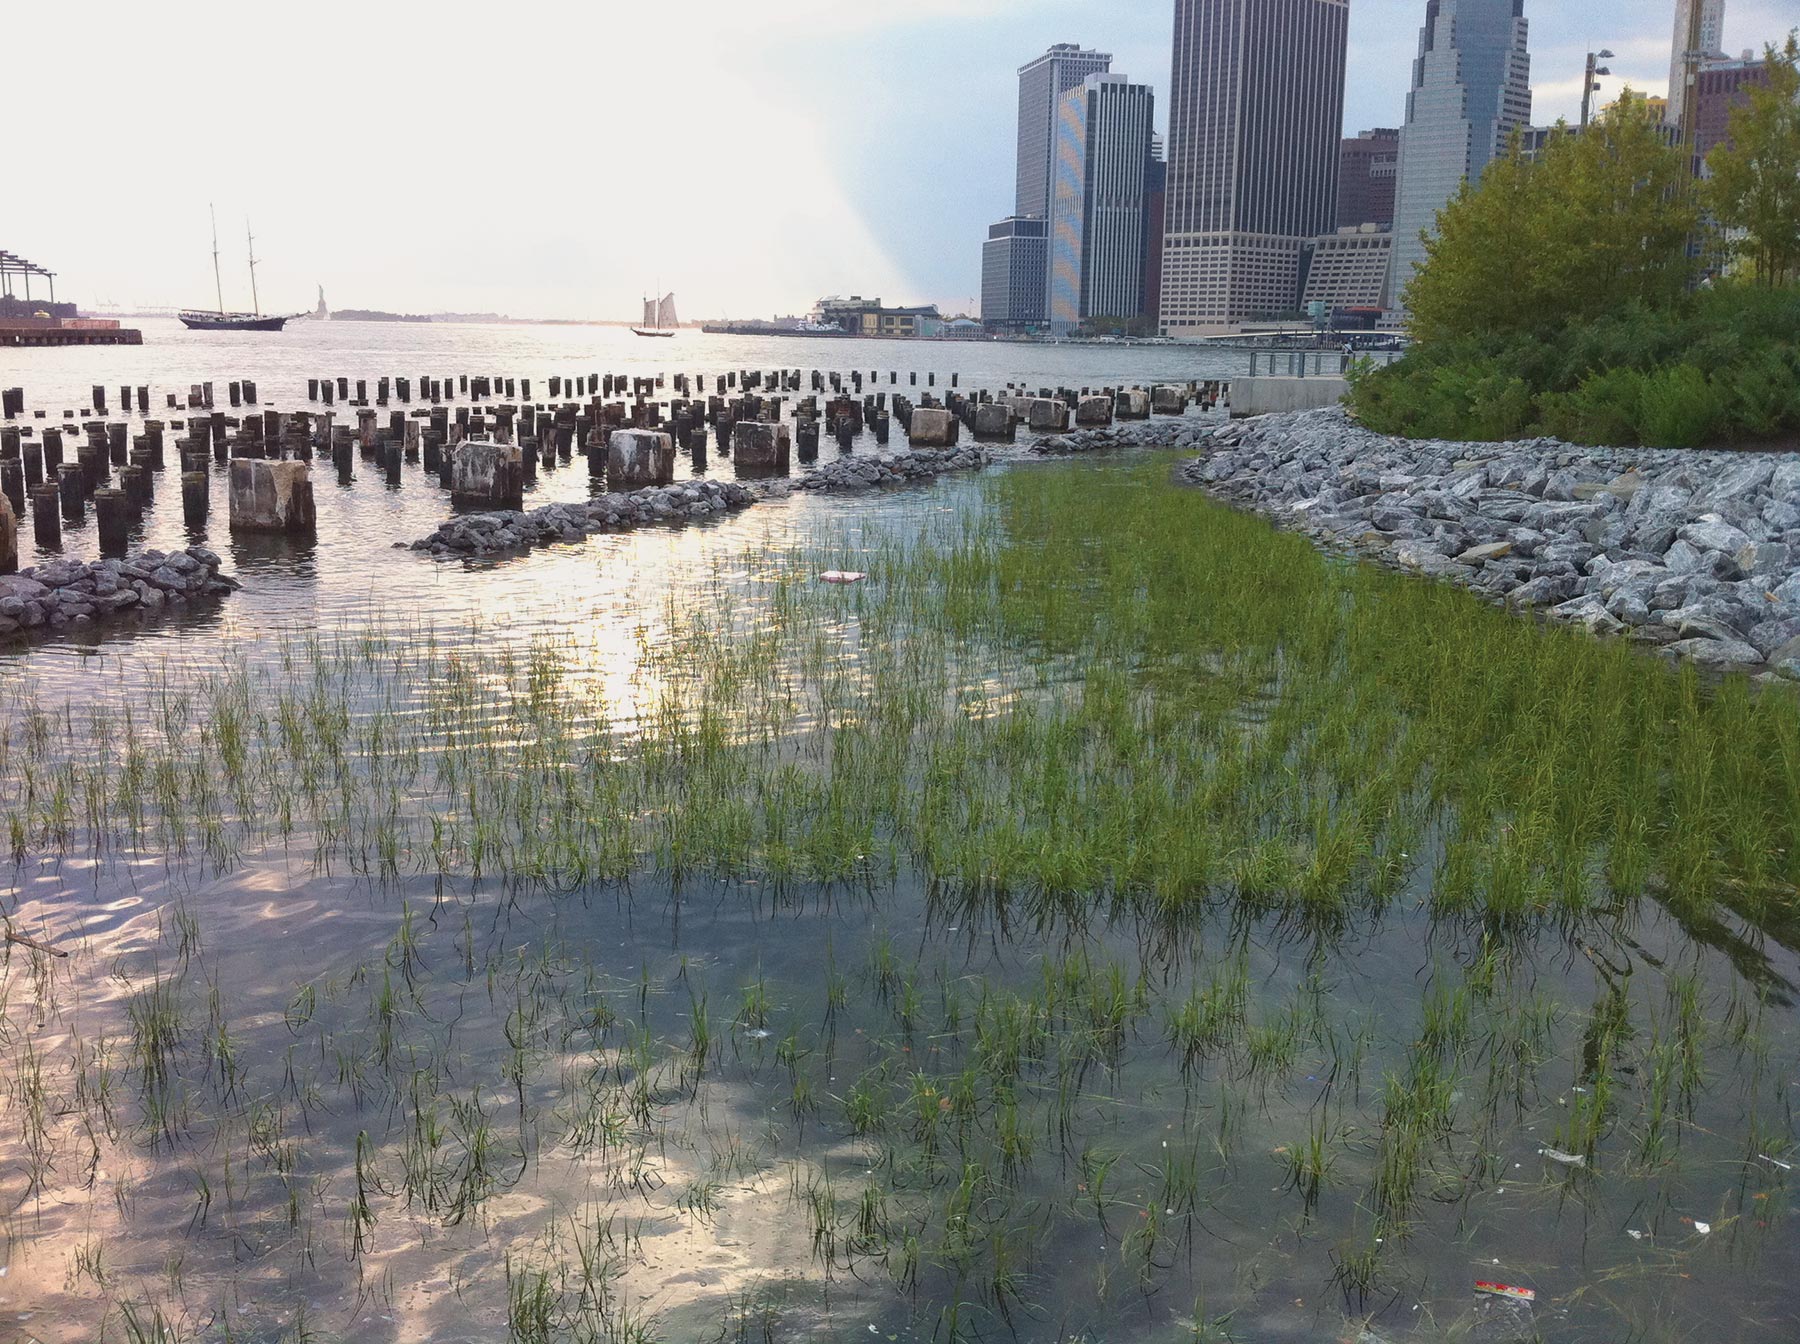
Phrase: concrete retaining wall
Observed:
(1275, 396)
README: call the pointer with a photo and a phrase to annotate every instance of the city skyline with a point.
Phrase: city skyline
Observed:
(400, 184)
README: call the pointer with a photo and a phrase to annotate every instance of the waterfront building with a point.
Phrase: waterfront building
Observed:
(867, 317)
(1042, 84)
(1015, 265)
(1368, 170)
(1346, 271)
(1256, 114)
(1701, 45)
(1102, 163)
(1471, 89)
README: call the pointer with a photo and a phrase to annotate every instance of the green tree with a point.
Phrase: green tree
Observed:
(1754, 188)
(1592, 221)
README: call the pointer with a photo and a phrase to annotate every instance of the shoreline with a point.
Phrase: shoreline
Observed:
(1692, 552)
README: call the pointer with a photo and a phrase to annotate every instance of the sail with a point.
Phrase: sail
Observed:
(665, 312)
(649, 312)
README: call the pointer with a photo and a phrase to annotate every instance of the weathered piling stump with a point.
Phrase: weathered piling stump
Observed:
(1169, 400)
(12, 484)
(1132, 404)
(487, 475)
(138, 488)
(271, 497)
(994, 422)
(46, 515)
(637, 458)
(9, 538)
(392, 459)
(196, 498)
(31, 456)
(112, 515)
(71, 485)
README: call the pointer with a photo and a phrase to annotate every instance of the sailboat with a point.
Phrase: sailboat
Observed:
(220, 320)
(659, 317)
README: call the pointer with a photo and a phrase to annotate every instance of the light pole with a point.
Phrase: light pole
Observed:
(1588, 87)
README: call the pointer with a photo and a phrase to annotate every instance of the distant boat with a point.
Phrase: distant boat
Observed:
(659, 317)
(220, 320)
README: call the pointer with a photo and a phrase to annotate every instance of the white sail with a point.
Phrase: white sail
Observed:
(649, 312)
(665, 313)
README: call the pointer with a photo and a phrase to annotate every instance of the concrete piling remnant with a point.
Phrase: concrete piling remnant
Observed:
(196, 498)
(760, 448)
(637, 458)
(12, 484)
(1094, 411)
(1047, 417)
(271, 497)
(112, 513)
(9, 538)
(487, 475)
(932, 428)
(993, 422)
(46, 515)
(1132, 404)
(72, 488)
(1169, 400)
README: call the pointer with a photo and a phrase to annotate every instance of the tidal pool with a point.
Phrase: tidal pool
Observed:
(1110, 921)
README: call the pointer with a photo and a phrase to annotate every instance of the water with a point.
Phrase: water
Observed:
(743, 1104)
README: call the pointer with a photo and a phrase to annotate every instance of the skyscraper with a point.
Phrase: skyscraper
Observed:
(1704, 43)
(1368, 169)
(1098, 183)
(1256, 111)
(1042, 84)
(1471, 89)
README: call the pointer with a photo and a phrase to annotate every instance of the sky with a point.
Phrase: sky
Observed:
(562, 160)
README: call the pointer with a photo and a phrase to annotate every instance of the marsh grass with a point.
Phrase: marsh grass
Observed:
(1224, 853)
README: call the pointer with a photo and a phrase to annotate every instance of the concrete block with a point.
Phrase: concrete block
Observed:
(637, 458)
(1094, 411)
(760, 448)
(1134, 404)
(1048, 417)
(271, 496)
(486, 475)
(933, 428)
(1167, 400)
(994, 422)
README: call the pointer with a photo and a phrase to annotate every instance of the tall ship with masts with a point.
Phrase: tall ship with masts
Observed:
(659, 317)
(220, 320)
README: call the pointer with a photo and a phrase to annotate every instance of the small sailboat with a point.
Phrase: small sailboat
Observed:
(220, 320)
(659, 317)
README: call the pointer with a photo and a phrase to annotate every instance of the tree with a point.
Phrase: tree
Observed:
(1593, 220)
(1754, 189)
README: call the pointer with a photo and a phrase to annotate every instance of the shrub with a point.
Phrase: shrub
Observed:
(1679, 408)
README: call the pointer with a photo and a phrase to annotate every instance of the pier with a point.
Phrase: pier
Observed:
(17, 331)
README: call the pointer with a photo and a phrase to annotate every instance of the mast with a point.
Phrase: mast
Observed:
(255, 303)
(218, 285)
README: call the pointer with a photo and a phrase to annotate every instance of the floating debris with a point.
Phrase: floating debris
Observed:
(841, 576)
(1776, 1162)
(1505, 1290)
(1561, 1158)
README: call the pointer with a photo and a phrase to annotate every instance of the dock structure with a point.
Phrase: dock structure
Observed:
(23, 323)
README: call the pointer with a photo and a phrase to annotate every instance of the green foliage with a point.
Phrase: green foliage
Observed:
(1592, 221)
(1754, 187)
(1719, 366)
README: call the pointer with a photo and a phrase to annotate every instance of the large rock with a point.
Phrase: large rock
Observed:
(271, 496)
(1786, 659)
(637, 459)
(1722, 653)
(1712, 533)
(487, 475)
(1047, 416)
(933, 428)
(760, 448)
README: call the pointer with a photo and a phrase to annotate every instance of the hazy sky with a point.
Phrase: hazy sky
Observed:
(558, 160)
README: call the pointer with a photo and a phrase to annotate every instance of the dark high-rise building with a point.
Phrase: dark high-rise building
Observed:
(1014, 265)
(1718, 88)
(1368, 170)
(1256, 114)
(1156, 180)
(1103, 146)
(1471, 89)
(1042, 84)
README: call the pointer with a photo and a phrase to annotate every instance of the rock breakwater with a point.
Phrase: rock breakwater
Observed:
(71, 592)
(1694, 551)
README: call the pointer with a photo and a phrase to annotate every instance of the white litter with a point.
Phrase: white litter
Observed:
(842, 576)
(1561, 1158)
(1704, 1229)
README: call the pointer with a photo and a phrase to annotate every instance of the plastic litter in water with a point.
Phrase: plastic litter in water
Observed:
(1561, 1158)
(759, 1034)
(1505, 1290)
(1777, 1162)
(841, 576)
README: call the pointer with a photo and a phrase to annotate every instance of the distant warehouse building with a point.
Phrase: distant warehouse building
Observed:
(867, 317)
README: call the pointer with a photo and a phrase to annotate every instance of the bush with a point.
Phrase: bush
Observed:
(1721, 366)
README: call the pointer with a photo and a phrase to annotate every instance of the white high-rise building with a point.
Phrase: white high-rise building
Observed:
(1705, 44)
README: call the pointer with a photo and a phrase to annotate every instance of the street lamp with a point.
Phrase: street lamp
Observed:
(1588, 87)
